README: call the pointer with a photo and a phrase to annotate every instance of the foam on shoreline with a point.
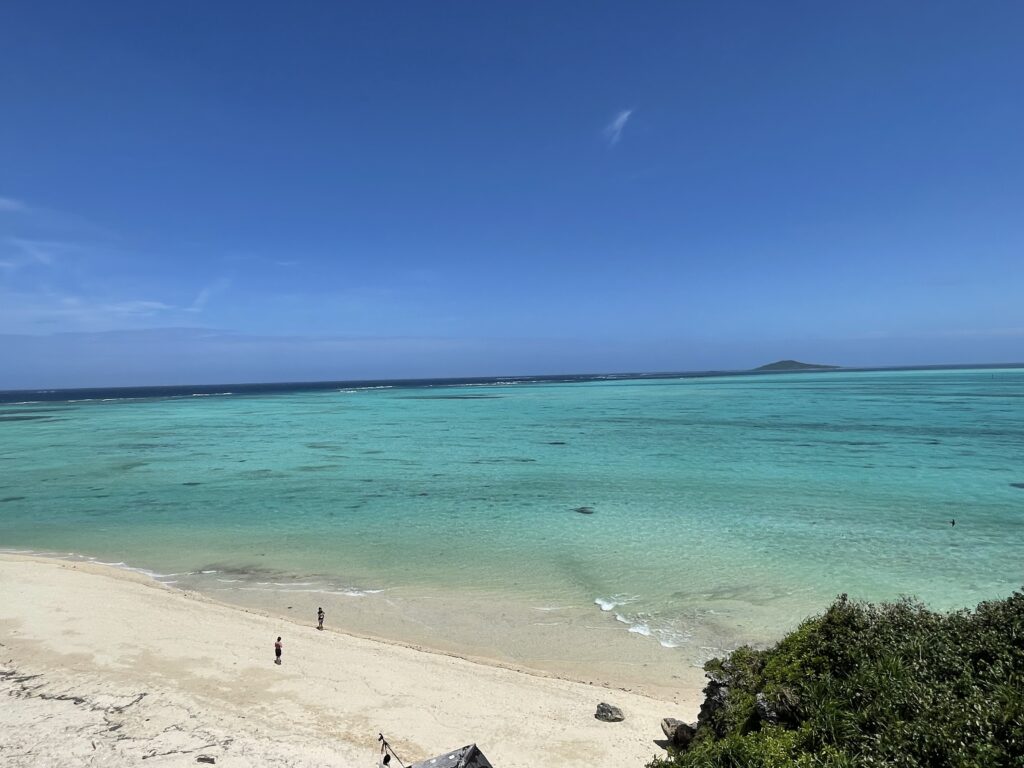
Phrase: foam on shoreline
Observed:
(163, 672)
(619, 648)
(663, 631)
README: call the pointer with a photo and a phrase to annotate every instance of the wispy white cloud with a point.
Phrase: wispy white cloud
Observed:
(967, 333)
(38, 251)
(59, 275)
(31, 220)
(142, 307)
(253, 258)
(51, 285)
(11, 205)
(49, 311)
(206, 293)
(613, 131)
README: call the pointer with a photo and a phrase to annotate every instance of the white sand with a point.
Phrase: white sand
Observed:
(107, 668)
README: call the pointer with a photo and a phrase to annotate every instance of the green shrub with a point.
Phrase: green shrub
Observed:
(866, 686)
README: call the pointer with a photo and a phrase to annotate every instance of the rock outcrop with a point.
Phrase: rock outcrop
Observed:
(609, 713)
(778, 710)
(678, 733)
(716, 694)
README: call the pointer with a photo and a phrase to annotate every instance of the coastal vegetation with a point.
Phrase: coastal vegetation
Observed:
(894, 685)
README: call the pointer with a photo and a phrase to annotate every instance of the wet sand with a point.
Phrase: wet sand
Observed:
(104, 667)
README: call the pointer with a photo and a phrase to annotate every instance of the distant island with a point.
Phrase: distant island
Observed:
(795, 365)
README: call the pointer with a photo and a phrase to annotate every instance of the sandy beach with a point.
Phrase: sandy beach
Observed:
(100, 666)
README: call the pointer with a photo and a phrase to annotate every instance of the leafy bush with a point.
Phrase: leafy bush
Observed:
(866, 686)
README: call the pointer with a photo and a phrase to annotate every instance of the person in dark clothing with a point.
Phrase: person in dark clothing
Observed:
(277, 651)
(319, 618)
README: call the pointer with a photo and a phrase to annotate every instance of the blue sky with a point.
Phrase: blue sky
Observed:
(255, 191)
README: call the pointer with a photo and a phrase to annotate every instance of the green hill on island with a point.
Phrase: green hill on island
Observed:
(795, 365)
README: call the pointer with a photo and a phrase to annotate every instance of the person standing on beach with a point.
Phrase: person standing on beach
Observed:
(277, 651)
(319, 618)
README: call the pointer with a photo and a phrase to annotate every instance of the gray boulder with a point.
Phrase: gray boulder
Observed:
(765, 710)
(609, 713)
(782, 709)
(678, 733)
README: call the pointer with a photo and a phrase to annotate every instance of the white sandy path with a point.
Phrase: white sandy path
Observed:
(98, 638)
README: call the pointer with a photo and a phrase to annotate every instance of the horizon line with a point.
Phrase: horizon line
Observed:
(519, 378)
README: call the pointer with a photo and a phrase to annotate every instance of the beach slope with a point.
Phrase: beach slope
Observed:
(104, 667)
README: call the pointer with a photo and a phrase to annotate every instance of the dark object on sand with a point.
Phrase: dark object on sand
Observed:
(584, 510)
(206, 759)
(609, 713)
(678, 733)
(469, 756)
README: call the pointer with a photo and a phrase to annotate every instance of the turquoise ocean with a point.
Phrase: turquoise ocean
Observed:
(669, 518)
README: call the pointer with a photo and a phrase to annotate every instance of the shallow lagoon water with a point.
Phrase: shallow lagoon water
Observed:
(724, 509)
